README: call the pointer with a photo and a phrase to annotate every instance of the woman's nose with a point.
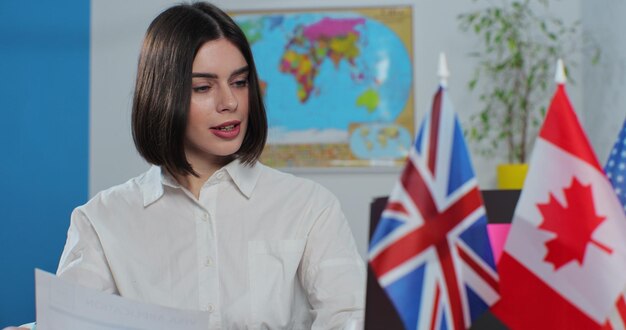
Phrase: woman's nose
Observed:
(228, 100)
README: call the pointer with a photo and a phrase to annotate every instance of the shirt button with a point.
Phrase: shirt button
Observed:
(208, 262)
(209, 308)
(205, 216)
(220, 175)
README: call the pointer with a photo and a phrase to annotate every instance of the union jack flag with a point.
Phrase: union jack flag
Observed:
(430, 250)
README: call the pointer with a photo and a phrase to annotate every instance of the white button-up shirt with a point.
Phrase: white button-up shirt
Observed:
(259, 249)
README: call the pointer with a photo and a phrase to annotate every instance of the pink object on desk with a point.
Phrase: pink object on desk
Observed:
(497, 236)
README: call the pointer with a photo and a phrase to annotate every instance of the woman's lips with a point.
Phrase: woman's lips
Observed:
(227, 130)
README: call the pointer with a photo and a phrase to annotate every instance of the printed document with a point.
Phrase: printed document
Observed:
(65, 305)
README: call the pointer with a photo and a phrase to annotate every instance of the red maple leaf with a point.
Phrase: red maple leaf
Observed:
(573, 225)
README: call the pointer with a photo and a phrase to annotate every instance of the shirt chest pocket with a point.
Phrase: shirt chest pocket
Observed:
(276, 294)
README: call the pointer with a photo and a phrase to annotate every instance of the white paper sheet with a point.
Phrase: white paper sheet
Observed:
(65, 305)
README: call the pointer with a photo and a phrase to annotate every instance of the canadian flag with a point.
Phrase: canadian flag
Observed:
(564, 261)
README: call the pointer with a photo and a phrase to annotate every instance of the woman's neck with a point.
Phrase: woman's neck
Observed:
(204, 170)
(193, 183)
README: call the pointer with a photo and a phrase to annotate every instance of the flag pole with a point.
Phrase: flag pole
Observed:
(443, 72)
(560, 77)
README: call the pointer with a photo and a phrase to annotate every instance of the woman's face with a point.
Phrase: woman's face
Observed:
(218, 114)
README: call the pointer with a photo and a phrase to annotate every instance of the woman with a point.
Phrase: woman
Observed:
(208, 227)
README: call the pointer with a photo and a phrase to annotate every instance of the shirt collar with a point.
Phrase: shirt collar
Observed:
(245, 178)
(151, 184)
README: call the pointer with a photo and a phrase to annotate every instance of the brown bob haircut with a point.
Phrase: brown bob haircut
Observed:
(163, 87)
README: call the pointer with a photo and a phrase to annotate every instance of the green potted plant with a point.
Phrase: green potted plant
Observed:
(519, 44)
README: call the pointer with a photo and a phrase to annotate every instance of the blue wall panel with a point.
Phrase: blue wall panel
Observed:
(44, 134)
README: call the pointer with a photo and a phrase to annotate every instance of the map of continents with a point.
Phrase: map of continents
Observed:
(337, 85)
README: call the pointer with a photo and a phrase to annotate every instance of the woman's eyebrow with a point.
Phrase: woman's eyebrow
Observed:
(203, 75)
(243, 69)
(237, 72)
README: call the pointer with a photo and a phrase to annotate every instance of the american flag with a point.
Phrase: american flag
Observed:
(615, 167)
(430, 251)
(615, 170)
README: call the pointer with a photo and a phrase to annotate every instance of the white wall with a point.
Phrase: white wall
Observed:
(118, 27)
(605, 83)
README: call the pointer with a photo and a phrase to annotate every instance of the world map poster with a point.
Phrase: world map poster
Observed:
(337, 84)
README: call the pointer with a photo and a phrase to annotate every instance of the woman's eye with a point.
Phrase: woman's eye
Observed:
(200, 89)
(241, 83)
